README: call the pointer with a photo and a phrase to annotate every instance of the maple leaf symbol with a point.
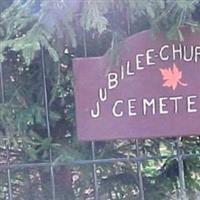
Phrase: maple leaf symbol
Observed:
(172, 77)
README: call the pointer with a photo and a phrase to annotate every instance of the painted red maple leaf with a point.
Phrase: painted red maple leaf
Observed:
(172, 77)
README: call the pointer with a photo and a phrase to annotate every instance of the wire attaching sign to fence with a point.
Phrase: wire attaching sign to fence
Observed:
(153, 90)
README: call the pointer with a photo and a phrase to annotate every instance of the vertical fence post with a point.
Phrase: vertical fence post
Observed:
(47, 122)
(181, 169)
(139, 172)
(2, 85)
(8, 139)
(84, 44)
(128, 21)
(95, 173)
(93, 143)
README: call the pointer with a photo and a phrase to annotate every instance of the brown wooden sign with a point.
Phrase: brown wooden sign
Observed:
(154, 90)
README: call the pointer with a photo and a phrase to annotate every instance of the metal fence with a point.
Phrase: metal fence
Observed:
(138, 159)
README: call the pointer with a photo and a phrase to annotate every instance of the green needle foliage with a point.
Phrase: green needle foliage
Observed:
(27, 27)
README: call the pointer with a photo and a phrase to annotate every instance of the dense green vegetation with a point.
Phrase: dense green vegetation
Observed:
(27, 27)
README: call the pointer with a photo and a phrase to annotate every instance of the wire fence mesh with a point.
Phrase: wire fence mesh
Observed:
(10, 169)
(15, 175)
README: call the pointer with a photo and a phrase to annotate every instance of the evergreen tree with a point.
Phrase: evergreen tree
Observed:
(36, 30)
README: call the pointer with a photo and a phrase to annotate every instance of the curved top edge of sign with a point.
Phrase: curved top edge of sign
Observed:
(147, 32)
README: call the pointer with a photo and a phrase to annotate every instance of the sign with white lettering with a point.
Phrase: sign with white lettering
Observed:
(154, 91)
